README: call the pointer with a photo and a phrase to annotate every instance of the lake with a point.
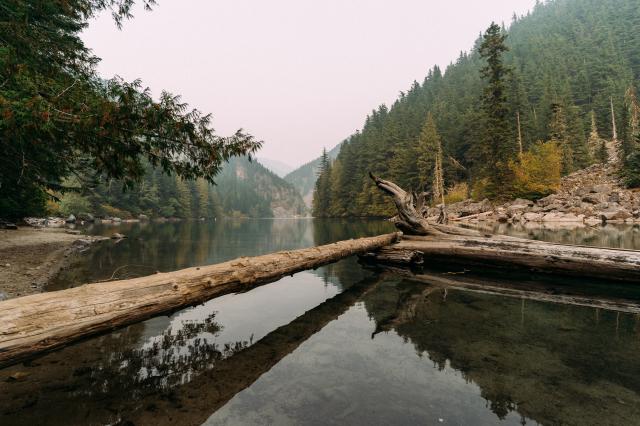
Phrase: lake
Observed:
(344, 344)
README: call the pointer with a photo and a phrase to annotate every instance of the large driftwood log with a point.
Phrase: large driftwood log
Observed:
(41, 322)
(438, 243)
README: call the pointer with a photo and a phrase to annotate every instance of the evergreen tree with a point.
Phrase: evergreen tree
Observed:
(60, 119)
(595, 142)
(202, 188)
(322, 193)
(631, 145)
(498, 148)
(559, 134)
(573, 53)
(184, 199)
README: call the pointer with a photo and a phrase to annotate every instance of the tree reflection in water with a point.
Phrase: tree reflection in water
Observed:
(551, 363)
(547, 362)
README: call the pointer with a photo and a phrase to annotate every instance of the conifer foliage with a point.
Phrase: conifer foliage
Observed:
(551, 77)
(59, 119)
(497, 149)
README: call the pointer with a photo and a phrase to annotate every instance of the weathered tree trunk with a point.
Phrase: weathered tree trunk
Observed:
(41, 322)
(438, 243)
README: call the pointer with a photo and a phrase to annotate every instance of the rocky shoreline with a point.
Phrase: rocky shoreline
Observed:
(589, 197)
(31, 257)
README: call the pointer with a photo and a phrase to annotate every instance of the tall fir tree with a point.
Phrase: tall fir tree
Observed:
(559, 133)
(322, 193)
(497, 138)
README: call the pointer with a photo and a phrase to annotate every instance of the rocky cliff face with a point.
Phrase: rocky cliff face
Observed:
(590, 196)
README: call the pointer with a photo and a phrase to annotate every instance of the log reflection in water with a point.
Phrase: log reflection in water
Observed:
(181, 377)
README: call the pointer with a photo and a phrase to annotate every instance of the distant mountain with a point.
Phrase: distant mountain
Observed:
(304, 177)
(247, 188)
(276, 166)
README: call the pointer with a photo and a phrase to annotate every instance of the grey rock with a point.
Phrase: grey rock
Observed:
(522, 201)
(87, 217)
(550, 199)
(71, 219)
(563, 217)
(553, 207)
(602, 188)
(532, 217)
(616, 214)
(595, 198)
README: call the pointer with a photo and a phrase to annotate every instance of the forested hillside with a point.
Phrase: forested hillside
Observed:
(567, 62)
(243, 188)
(248, 188)
(304, 177)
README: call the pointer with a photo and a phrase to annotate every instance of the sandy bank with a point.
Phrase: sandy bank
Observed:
(30, 257)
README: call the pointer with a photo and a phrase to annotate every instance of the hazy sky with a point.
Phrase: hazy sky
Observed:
(298, 74)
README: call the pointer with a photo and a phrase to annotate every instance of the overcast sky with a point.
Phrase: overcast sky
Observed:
(299, 74)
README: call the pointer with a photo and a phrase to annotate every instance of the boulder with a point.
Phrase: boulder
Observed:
(581, 192)
(563, 217)
(550, 199)
(532, 217)
(468, 207)
(595, 198)
(143, 217)
(619, 213)
(36, 222)
(553, 207)
(592, 221)
(118, 236)
(603, 188)
(71, 219)
(54, 222)
(8, 225)
(521, 202)
(614, 197)
(87, 217)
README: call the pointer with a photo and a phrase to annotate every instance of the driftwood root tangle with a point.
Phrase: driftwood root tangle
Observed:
(438, 243)
(33, 324)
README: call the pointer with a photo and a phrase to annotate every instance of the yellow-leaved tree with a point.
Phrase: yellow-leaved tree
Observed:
(537, 171)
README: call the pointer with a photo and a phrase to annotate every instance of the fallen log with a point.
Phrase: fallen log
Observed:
(426, 242)
(42, 322)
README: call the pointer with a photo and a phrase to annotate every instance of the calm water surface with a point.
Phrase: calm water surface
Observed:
(344, 344)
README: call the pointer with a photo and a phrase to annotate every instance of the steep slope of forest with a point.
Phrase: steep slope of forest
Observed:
(248, 188)
(304, 177)
(568, 62)
(243, 188)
